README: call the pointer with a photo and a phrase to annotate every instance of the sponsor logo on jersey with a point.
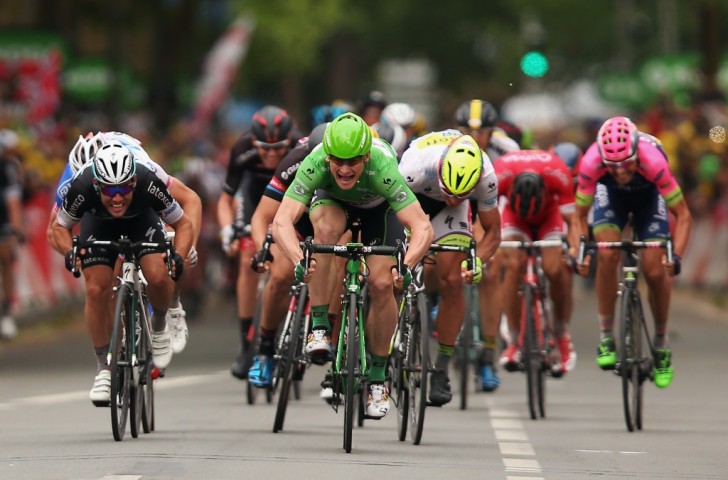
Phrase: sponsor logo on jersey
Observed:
(159, 193)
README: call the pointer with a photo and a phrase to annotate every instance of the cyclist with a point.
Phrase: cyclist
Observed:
(281, 275)
(121, 197)
(627, 171)
(478, 119)
(401, 114)
(393, 134)
(253, 159)
(11, 228)
(356, 177)
(444, 169)
(81, 153)
(540, 201)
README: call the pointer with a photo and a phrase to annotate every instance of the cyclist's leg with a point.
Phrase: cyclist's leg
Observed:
(272, 312)
(513, 228)
(610, 216)
(329, 223)
(8, 247)
(98, 277)
(451, 227)
(653, 212)
(559, 277)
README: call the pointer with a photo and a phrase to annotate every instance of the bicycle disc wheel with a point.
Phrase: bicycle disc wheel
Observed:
(530, 358)
(288, 358)
(136, 389)
(120, 364)
(629, 361)
(352, 359)
(419, 367)
(145, 374)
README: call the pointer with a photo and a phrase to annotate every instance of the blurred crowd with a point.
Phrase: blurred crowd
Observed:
(693, 136)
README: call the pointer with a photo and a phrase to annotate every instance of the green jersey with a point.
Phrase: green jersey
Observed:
(379, 182)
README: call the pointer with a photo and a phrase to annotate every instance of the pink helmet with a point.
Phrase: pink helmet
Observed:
(617, 139)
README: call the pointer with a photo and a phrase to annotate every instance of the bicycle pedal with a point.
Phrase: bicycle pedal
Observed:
(319, 359)
(103, 403)
(438, 405)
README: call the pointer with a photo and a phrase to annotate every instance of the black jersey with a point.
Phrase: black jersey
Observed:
(150, 193)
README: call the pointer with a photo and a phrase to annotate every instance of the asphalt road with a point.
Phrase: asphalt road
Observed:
(205, 429)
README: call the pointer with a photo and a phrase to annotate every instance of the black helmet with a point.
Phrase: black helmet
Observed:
(527, 194)
(271, 124)
(476, 114)
(317, 135)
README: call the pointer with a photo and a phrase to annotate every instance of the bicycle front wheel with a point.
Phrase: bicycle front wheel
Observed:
(352, 361)
(291, 350)
(120, 365)
(398, 375)
(467, 344)
(418, 360)
(630, 355)
(532, 357)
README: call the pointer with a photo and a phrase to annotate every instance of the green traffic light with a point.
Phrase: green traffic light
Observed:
(534, 64)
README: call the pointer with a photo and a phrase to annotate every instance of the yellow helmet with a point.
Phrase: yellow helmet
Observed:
(460, 167)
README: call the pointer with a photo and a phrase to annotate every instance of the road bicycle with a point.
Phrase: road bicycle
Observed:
(636, 353)
(535, 323)
(291, 359)
(130, 349)
(410, 362)
(350, 370)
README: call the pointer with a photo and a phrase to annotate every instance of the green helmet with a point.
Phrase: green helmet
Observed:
(347, 136)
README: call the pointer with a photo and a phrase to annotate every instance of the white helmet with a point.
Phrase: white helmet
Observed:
(114, 164)
(84, 150)
(400, 113)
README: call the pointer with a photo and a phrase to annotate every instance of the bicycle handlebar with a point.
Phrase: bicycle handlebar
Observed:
(628, 245)
(125, 246)
(349, 250)
(470, 250)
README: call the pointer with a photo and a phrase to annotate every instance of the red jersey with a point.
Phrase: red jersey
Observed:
(556, 176)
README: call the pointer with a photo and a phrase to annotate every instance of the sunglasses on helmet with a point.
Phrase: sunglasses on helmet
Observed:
(270, 146)
(113, 190)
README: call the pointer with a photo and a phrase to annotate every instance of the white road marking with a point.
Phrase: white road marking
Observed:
(514, 444)
(67, 397)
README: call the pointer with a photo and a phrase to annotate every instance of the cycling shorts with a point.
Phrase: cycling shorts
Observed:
(612, 207)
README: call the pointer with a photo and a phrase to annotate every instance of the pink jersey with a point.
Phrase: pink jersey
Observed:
(652, 168)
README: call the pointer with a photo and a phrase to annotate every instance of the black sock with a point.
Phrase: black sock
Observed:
(245, 323)
(267, 342)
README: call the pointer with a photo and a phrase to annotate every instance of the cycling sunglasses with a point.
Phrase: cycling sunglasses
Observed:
(270, 146)
(349, 162)
(623, 164)
(112, 190)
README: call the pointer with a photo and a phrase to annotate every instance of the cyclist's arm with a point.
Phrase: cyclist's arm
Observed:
(62, 240)
(683, 223)
(579, 226)
(284, 231)
(421, 232)
(225, 209)
(489, 242)
(183, 235)
(190, 203)
(263, 216)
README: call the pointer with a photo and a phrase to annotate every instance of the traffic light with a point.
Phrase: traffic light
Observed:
(534, 64)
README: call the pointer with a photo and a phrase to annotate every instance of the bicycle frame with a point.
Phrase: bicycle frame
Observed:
(535, 321)
(350, 370)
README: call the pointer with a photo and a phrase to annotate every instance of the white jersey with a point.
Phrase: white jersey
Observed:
(500, 144)
(421, 160)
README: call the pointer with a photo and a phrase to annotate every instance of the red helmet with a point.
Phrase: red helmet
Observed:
(617, 140)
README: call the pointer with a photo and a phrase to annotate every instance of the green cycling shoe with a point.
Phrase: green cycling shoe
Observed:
(663, 368)
(606, 354)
